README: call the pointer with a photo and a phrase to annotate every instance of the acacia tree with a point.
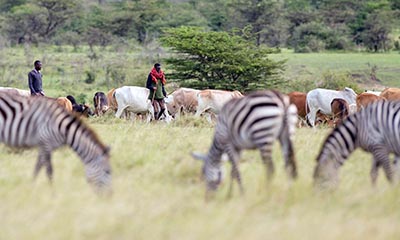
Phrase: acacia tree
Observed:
(39, 19)
(220, 60)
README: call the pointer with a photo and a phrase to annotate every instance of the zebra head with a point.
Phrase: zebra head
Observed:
(98, 173)
(326, 171)
(211, 172)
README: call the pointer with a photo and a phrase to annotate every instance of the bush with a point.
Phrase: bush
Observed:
(90, 77)
(338, 81)
(310, 37)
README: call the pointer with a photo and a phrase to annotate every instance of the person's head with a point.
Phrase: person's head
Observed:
(157, 66)
(38, 65)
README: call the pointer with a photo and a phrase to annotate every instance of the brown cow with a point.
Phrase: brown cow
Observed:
(182, 100)
(299, 100)
(211, 101)
(340, 110)
(391, 94)
(363, 99)
(100, 103)
(112, 103)
(65, 103)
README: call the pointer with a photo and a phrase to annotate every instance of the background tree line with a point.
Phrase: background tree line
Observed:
(304, 25)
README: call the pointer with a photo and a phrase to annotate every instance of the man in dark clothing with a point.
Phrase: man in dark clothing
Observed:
(35, 80)
(155, 83)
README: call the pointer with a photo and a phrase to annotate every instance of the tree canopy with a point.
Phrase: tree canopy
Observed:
(304, 25)
(210, 59)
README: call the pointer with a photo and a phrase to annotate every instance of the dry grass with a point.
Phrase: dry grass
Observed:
(158, 193)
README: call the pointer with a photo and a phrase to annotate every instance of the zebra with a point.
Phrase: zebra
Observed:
(375, 129)
(27, 122)
(252, 122)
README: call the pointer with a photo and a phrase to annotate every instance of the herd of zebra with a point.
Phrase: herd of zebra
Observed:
(254, 121)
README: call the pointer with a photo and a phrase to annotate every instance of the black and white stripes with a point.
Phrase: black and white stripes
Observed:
(252, 122)
(375, 129)
(27, 122)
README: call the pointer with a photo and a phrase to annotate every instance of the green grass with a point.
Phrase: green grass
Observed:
(65, 68)
(313, 66)
(158, 193)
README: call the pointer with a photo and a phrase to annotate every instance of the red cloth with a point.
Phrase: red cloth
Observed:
(157, 75)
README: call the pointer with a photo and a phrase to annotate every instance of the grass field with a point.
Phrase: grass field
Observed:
(359, 65)
(158, 193)
(65, 69)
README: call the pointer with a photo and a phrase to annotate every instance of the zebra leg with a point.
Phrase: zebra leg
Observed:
(234, 156)
(396, 169)
(44, 159)
(381, 159)
(266, 155)
(288, 154)
(374, 171)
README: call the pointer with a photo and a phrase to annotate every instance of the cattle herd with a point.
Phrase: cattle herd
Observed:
(244, 122)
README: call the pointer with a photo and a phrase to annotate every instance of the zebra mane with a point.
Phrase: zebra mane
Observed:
(328, 146)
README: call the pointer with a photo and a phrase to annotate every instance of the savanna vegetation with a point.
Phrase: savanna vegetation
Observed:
(158, 193)
(95, 45)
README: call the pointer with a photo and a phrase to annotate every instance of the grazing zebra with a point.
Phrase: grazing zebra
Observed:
(27, 122)
(252, 122)
(375, 129)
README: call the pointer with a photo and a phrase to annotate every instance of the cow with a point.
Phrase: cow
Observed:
(100, 103)
(65, 103)
(365, 98)
(81, 109)
(18, 91)
(112, 103)
(134, 99)
(320, 99)
(299, 100)
(182, 100)
(391, 94)
(211, 101)
(340, 110)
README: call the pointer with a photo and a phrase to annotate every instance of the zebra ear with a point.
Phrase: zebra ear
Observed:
(199, 156)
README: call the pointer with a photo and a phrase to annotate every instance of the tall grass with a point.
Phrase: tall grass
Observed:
(360, 66)
(158, 193)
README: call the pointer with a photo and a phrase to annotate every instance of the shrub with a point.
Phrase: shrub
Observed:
(90, 77)
(338, 81)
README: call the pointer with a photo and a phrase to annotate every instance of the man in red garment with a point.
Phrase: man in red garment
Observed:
(155, 83)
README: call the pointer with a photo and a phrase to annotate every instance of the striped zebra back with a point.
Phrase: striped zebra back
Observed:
(376, 129)
(255, 121)
(41, 122)
(258, 118)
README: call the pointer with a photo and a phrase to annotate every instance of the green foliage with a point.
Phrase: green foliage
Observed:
(81, 98)
(90, 77)
(310, 37)
(342, 23)
(376, 34)
(219, 60)
(39, 20)
(338, 81)
(7, 5)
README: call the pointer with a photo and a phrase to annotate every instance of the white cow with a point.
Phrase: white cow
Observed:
(182, 100)
(21, 92)
(211, 101)
(135, 100)
(320, 100)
